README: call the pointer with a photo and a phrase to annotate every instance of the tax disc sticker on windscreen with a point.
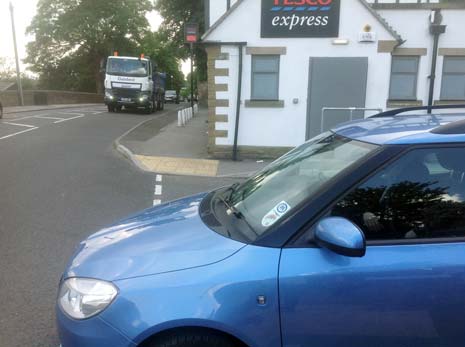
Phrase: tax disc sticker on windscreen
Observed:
(275, 214)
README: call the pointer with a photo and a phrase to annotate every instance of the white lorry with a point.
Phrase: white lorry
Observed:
(133, 83)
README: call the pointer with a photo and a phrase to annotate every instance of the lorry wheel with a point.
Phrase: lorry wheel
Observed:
(149, 108)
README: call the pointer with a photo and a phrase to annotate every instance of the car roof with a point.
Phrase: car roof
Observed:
(406, 129)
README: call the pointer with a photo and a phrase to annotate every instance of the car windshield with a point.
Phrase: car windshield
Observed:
(127, 67)
(282, 186)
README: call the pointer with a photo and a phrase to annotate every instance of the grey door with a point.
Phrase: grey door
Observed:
(335, 82)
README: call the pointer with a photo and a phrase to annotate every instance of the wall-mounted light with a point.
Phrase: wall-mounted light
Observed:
(367, 28)
(340, 42)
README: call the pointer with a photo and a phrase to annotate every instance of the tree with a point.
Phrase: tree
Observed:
(165, 55)
(7, 71)
(176, 13)
(73, 37)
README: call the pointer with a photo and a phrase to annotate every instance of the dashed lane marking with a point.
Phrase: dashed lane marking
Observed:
(158, 190)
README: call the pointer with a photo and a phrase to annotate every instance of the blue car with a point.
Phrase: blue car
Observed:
(356, 238)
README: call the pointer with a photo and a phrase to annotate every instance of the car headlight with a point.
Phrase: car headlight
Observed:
(143, 97)
(83, 298)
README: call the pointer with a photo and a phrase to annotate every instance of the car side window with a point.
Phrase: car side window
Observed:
(419, 196)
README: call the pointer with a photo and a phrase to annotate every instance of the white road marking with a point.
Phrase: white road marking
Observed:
(158, 190)
(28, 117)
(22, 118)
(51, 118)
(73, 113)
(20, 125)
(19, 132)
(67, 119)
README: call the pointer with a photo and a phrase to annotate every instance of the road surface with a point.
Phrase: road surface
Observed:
(61, 180)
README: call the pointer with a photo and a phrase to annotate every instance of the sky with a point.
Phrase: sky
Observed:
(24, 12)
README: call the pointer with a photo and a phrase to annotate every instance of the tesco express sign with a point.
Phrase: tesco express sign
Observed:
(300, 18)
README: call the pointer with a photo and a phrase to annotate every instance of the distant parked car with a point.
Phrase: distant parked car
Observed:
(355, 238)
(196, 98)
(171, 96)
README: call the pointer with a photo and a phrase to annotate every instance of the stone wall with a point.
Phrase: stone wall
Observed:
(49, 97)
(214, 54)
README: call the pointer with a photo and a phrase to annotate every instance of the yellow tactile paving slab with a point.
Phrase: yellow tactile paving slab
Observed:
(179, 166)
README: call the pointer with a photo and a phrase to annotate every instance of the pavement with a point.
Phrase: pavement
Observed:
(61, 180)
(161, 146)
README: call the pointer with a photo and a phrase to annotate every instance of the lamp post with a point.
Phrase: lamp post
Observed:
(191, 33)
(18, 72)
(192, 75)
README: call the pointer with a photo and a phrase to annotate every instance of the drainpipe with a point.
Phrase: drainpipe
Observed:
(238, 104)
(436, 29)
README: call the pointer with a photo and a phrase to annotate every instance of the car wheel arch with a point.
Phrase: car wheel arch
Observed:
(153, 334)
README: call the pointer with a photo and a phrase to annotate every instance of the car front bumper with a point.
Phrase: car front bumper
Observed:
(92, 332)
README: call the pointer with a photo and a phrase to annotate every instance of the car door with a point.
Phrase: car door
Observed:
(409, 288)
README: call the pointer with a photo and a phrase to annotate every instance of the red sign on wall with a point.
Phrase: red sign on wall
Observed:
(191, 32)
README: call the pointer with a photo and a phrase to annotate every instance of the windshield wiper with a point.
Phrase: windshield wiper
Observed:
(233, 210)
(230, 208)
(231, 190)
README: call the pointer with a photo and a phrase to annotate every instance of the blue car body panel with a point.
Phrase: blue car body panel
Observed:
(172, 271)
(166, 238)
(399, 295)
(216, 296)
(93, 332)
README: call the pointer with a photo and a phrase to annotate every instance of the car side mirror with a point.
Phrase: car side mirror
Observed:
(340, 236)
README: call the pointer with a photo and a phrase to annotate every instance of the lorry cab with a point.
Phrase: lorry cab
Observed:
(133, 83)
